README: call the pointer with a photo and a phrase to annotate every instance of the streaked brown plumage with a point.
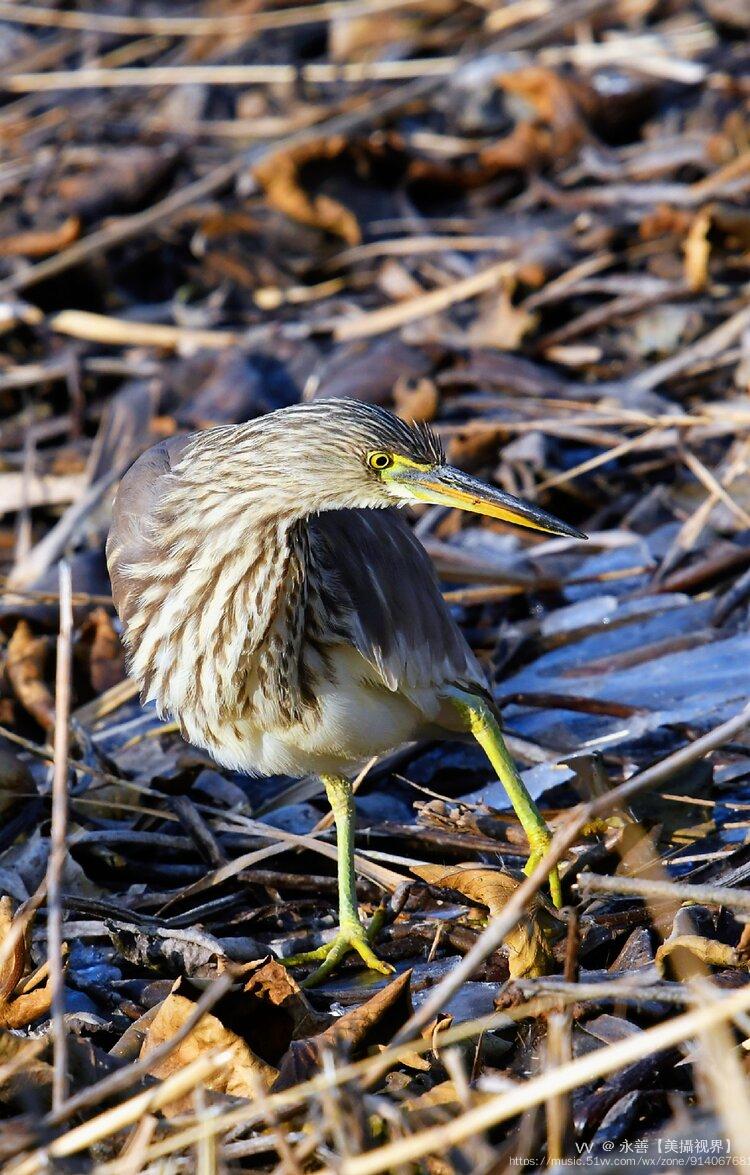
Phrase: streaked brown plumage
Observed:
(275, 602)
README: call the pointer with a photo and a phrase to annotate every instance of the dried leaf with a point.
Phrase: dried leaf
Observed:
(242, 1077)
(709, 950)
(106, 656)
(556, 127)
(27, 658)
(417, 401)
(529, 952)
(280, 1007)
(13, 968)
(279, 176)
(697, 251)
(499, 323)
(372, 1023)
(33, 1001)
(41, 242)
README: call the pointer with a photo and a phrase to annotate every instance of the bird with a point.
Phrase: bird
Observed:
(276, 604)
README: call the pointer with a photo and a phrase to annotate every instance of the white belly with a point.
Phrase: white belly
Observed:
(355, 720)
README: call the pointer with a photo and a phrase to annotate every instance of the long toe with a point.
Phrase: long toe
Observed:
(330, 955)
(307, 957)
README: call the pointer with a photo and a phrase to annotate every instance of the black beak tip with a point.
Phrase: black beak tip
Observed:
(573, 533)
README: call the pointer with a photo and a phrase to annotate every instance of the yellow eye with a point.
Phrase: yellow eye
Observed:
(379, 460)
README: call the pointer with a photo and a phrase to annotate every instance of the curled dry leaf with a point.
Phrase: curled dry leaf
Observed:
(372, 1023)
(25, 665)
(499, 323)
(33, 1001)
(529, 952)
(280, 177)
(280, 1009)
(417, 401)
(698, 251)
(13, 967)
(41, 242)
(556, 127)
(244, 1076)
(708, 950)
(106, 656)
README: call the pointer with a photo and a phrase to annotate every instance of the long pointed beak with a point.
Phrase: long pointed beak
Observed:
(447, 486)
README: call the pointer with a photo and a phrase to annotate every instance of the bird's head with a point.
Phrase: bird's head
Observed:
(406, 463)
(338, 454)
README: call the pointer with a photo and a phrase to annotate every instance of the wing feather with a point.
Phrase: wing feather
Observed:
(131, 538)
(379, 581)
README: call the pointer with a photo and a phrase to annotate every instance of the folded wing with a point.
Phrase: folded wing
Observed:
(379, 582)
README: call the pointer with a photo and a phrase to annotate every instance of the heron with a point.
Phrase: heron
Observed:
(276, 604)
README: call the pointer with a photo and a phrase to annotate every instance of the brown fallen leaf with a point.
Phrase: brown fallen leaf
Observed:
(416, 401)
(529, 952)
(23, 1076)
(41, 242)
(280, 177)
(31, 1001)
(709, 950)
(555, 124)
(25, 665)
(242, 1077)
(499, 323)
(280, 1009)
(103, 649)
(372, 1023)
(697, 250)
(13, 967)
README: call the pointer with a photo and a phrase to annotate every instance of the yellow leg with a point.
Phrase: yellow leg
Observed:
(481, 721)
(352, 935)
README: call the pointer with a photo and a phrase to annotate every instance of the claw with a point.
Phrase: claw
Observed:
(349, 938)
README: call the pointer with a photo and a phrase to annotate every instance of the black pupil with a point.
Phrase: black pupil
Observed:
(381, 461)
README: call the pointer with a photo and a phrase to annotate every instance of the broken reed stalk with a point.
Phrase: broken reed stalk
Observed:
(712, 895)
(58, 836)
(558, 1053)
(225, 25)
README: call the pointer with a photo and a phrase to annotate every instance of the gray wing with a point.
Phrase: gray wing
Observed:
(379, 582)
(130, 540)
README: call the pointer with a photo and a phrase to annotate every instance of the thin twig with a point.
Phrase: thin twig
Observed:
(58, 841)
(319, 73)
(227, 25)
(718, 895)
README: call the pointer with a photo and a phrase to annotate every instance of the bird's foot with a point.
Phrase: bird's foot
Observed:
(540, 843)
(352, 936)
